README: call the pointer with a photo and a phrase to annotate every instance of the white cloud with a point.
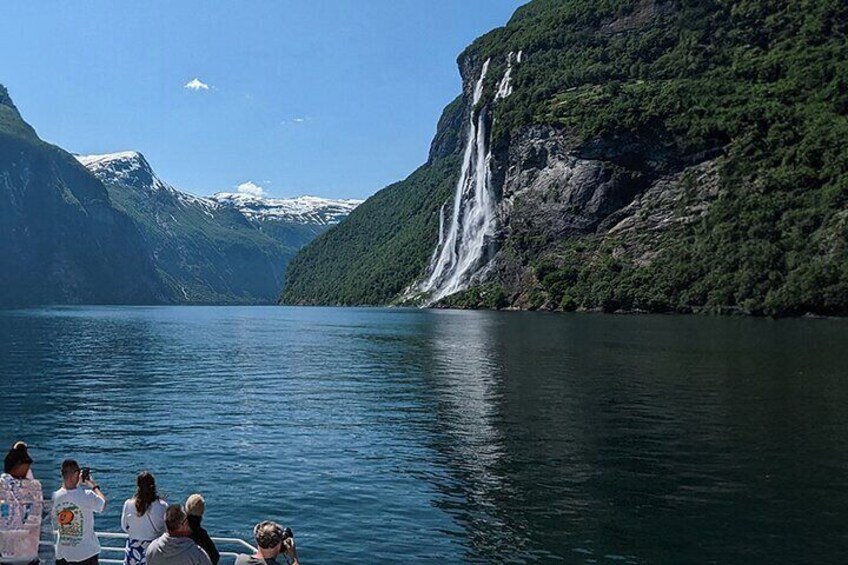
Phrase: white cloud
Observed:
(298, 120)
(251, 188)
(196, 84)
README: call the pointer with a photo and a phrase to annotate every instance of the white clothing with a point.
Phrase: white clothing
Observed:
(147, 527)
(20, 519)
(73, 515)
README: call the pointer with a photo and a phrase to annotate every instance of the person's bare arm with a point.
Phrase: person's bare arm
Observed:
(95, 488)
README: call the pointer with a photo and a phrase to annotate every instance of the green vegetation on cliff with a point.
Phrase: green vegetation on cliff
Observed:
(765, 82)
(385, 243)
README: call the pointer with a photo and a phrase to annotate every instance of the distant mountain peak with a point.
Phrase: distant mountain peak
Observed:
(131, 169)
(121, 163)
(125, 156)
(302, 209)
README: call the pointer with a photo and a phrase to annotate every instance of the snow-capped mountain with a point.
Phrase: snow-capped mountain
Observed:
(131, 169)
(223, 248)
(303, 209)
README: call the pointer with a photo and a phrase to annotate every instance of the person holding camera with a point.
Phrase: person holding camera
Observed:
(273, 541)
(74, 506)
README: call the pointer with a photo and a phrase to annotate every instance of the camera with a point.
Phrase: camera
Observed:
(86, 474)
(287, 533)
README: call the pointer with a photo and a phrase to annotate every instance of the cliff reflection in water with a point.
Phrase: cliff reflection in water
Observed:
(638, 439)
(500, 429)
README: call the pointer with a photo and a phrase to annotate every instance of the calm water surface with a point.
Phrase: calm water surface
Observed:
(398, 436)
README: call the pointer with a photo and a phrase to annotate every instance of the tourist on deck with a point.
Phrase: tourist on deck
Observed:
(195, 506)
(17, 462)
(74, 506)
(143, 518)
(175, 547)
(272, 541)
(20, 509)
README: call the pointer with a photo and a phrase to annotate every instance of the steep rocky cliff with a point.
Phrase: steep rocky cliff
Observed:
(660, 156)
(61, 240)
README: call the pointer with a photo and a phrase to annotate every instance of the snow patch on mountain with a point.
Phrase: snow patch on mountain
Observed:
(303, 209)
(130, 168)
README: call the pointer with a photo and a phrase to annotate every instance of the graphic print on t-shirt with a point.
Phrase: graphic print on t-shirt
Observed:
(70, 521)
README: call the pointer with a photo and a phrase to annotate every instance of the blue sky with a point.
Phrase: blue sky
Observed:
(336, 98)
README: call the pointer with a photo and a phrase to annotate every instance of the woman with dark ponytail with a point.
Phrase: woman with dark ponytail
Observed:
(143, 518)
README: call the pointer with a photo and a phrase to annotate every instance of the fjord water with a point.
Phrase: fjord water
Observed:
(405, 436)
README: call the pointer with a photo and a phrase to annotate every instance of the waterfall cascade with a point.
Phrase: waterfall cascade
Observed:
(505, 86)
(466, 244)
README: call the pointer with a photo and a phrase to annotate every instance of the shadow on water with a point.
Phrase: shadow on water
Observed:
(405, 436)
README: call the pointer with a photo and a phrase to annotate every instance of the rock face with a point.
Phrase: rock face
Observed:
(555, 189)
(61, 239)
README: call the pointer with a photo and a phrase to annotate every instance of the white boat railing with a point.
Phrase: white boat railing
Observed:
(111, 549)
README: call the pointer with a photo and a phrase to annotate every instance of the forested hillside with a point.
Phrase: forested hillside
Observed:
(714, 133)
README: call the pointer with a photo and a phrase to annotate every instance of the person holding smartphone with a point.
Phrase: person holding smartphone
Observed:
(74, 506)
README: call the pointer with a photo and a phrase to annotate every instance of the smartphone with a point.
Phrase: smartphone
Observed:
(86, 474)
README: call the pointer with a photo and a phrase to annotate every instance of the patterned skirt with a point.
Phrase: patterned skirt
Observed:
(134, 552)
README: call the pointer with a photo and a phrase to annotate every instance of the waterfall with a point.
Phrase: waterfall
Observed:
(505, 86)
(466, 239)
(462, 245)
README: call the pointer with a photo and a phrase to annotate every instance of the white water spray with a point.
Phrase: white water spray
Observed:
(461, 252)
(505, 86)
(467, 243)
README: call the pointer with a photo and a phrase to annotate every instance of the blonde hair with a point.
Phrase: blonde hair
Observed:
(195, 505)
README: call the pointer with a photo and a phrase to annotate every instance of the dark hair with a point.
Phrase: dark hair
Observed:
(69, 467)
(174, 517)
(145, 494)
(17, 455)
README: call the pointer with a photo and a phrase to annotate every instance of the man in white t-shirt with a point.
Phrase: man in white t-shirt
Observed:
(73, 514)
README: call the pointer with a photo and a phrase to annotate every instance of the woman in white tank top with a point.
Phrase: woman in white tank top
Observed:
(143, 518)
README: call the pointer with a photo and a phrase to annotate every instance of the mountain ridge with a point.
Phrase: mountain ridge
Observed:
(212, 249)
(61, 240)
(305, 208)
